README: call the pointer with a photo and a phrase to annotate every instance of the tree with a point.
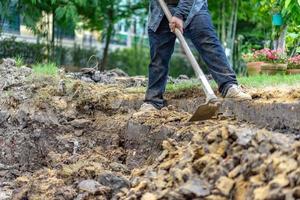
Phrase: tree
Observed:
(35, 12)
(289, 9)
(245, 24)
(235, 20)
(102, 15)
(293, 39)
(95, 15)
(4, 8)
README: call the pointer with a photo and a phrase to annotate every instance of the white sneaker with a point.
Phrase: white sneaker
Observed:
(147, 107)
(236, 92)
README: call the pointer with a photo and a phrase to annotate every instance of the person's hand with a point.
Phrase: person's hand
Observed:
(176, 23)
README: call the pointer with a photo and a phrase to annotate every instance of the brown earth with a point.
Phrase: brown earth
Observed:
(281, 94)
(88, 141)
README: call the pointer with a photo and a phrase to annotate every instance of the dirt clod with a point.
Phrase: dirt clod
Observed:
(195, 188)
(225, 185)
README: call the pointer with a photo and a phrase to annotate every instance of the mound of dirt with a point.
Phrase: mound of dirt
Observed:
(175, 159)
(87, 176)
(114, 76)
(222, 160)
(12, 79)
(67, 139)
(118, 77)
(38, 120)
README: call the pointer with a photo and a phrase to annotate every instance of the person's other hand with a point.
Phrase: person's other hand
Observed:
(176, 23)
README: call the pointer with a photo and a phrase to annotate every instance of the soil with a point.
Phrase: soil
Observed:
(67, 139)
(281, 94)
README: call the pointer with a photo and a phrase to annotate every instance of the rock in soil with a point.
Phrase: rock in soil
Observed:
(90, 186)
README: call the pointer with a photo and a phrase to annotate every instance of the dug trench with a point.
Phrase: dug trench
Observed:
(265, 111)
(89, 142)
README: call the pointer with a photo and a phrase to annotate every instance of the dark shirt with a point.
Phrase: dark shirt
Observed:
(185, 10)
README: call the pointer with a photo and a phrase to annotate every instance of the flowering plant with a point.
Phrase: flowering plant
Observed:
(266, 55)
(248, 57)
(294, 62)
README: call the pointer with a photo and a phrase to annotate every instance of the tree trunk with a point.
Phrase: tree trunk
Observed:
(106, 48)
(236, 6)
(233, 34)
(140, 50)
(38, 39)
(230, 26)
(60, 44)
(53, 37)
(130, 34)
(281, 40)
(231, 29)
(219, 23)
(223, 23)
(3, 13)
(48, 38)
(295, 48)
(1, 25)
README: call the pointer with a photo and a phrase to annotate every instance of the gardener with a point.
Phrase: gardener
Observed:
(193, 19)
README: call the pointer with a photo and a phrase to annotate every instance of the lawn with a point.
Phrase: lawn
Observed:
(258, 81)
(265, 80)
(45, 69)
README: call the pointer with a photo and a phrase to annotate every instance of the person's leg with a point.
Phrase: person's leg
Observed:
(161, 48)
(202, 33)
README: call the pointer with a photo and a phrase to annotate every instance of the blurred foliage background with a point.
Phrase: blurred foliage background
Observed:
(242, 25)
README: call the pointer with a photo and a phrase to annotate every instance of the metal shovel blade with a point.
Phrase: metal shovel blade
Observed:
(205, 111)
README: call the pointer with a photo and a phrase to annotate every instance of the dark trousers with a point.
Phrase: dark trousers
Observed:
(203, 35)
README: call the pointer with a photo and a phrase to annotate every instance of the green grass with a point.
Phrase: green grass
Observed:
(19, 61)
(265, 80)
(45, 69)
(258, 81)
(170, 87)
(184, 85)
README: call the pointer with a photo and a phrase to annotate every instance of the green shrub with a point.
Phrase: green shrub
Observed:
(37, 53)
(180, 65)
(75, 56)
(135, 61)
(80, 56)
(30, 53)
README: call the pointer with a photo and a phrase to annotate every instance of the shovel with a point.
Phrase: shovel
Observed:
(210, 108)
